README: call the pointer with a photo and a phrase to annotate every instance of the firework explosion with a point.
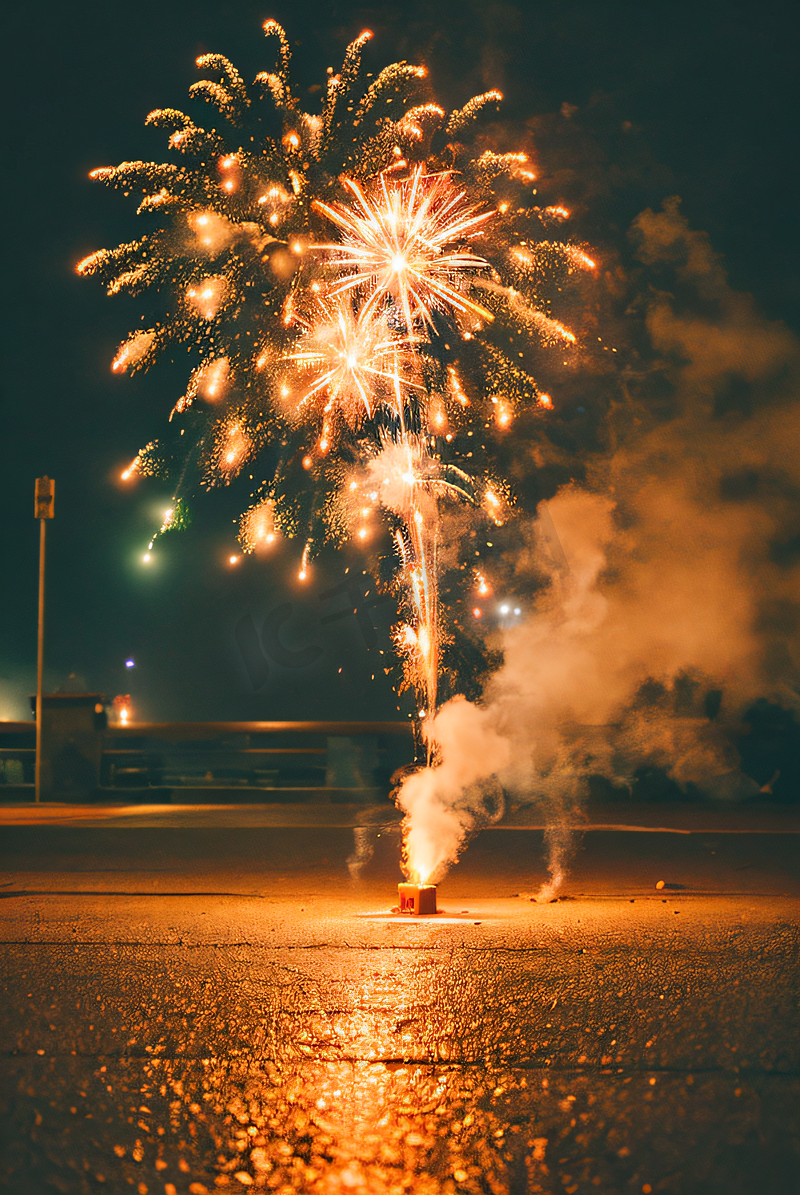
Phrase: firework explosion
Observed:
(359, 290)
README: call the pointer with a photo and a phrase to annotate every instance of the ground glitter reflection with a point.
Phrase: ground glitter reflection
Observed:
(437, 1059)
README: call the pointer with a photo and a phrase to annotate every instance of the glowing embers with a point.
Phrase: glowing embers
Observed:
(491, 165)
(549, 330)
(438, 423)
(361, 505)
(274, 201)
(207, 296)
(455, 383)
(400, 240)
(257, 527)
(212, 379)
(133, 352)
(412, 124)
(210, 382)
(229, 171)
(303, 574)
(232, 447)
(212, 232)
(413, 644)
(577, 257)
(503, 414)
(495, 503)
(132, 469)
(418, 900)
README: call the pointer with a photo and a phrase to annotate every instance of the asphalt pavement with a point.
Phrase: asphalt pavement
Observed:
(203, 1000)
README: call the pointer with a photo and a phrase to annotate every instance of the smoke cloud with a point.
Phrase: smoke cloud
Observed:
(446, 803)
(672, 574)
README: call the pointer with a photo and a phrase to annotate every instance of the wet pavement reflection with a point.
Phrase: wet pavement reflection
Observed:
(201, 1125)
(183, 1069)
(295, 1038)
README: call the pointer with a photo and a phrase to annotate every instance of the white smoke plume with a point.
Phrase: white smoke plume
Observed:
(445, 803)
(668, 579)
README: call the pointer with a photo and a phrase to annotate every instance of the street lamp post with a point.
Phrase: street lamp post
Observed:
(45, 502)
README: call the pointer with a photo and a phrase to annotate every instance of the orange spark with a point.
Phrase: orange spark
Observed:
(502, 414)
(132, 468)
(232, 449)
(257, 527)
(456, 384)
(132, 351)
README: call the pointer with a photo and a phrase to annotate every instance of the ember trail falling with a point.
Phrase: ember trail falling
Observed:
(357, 290)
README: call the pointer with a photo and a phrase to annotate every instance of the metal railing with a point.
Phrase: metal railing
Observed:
(17, 755)
(210, 761)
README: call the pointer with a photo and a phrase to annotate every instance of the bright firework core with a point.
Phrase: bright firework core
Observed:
(399, 240)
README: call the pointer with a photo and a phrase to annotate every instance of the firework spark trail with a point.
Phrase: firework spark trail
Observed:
(397, 239)
(372, 364)
(425, 593)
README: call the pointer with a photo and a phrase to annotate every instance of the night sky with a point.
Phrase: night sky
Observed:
(697, 100)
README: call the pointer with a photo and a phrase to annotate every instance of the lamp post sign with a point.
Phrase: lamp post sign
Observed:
(45, 502)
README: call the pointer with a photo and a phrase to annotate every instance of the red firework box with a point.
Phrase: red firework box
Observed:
(417, 899)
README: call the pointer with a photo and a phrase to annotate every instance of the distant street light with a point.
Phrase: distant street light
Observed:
(44, 507)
